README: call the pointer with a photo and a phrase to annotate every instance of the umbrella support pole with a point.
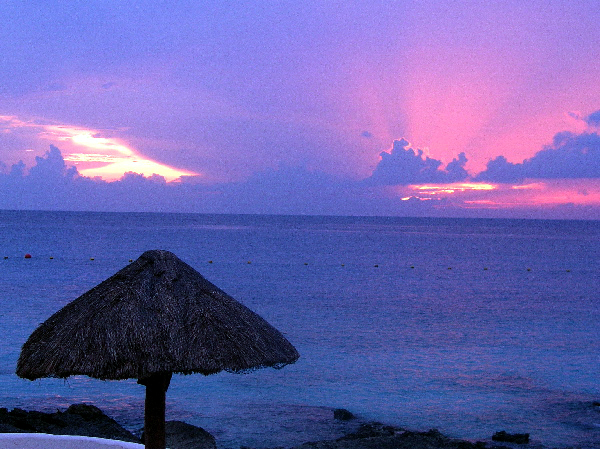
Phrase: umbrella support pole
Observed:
(154, 414)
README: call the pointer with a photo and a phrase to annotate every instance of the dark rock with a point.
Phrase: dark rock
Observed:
(80, 419)
(86, 411)
(518, 438)
(18, 413)
(180, 435)
(88, 420)
(342, 414)
(371, 430)
(378, 436)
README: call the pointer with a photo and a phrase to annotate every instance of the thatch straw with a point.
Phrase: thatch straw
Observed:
(157, 315)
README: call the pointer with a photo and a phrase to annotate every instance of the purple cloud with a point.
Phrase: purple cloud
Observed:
(52, 166)
(51, 185)
(593, 119)
(403, 165)
(571, 156)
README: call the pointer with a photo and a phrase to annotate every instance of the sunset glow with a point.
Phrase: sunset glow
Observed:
(431, 167)
(544, 195)
(93, 154)
(427, 108)
(451, 188)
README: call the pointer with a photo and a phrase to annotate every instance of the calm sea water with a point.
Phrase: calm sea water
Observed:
(468, 326)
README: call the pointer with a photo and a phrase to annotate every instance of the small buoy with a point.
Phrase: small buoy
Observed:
(51, 257)
(249, 262)
(568, 271)
(412, 266)
(528, 269)
(376, 266)
(305, 263)
(27, 256)
(91, 258)
(485, 268)
(210, 261)
(343, 265)
(449, 268)
(130, 260)
(5, 257)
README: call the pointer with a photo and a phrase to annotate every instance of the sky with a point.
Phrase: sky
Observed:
(408, 108)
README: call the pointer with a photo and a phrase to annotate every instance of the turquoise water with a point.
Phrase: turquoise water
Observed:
(468, 326)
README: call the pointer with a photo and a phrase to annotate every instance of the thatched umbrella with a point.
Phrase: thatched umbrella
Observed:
(155, 317)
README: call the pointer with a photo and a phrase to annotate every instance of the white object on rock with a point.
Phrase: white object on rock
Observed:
(46, 441)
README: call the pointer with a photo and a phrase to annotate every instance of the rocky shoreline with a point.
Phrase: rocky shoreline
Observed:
(78, 419)
(88, 420)
(379, 436)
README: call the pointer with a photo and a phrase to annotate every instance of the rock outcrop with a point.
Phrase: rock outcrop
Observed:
(78, 419)
(180, 435)
(343, 415)
(88, 420)
(379, 436)
(517, 438)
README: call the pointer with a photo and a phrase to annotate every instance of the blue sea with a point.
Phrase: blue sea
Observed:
(465, 325)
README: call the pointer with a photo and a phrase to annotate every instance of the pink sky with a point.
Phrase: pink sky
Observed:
(231, 95)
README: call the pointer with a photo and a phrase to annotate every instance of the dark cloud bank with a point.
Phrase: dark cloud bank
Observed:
(51, 185)
(403, 166)
(571, 156)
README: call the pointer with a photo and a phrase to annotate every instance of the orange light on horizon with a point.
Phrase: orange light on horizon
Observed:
(91, 157)
(532, 186)
(436, 189)
(483, 202)
(547, 194)
(543, 194)
(93, 154)
(408, 198)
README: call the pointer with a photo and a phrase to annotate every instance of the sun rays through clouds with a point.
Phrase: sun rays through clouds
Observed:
(95, 153)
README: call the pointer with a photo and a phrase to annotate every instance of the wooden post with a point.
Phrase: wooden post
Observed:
(154, 413)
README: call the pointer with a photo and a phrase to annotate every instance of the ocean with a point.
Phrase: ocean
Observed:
(470, 326)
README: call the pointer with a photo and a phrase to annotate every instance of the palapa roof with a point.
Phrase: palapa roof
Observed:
(157, 315)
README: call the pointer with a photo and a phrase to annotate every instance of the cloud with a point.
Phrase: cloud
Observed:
(52, 167)
(288, 190)
(18, 170)
(500, 170)
(403, 166)
(96, 153)
(51, 185)
(593, 119)
(571, 156)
